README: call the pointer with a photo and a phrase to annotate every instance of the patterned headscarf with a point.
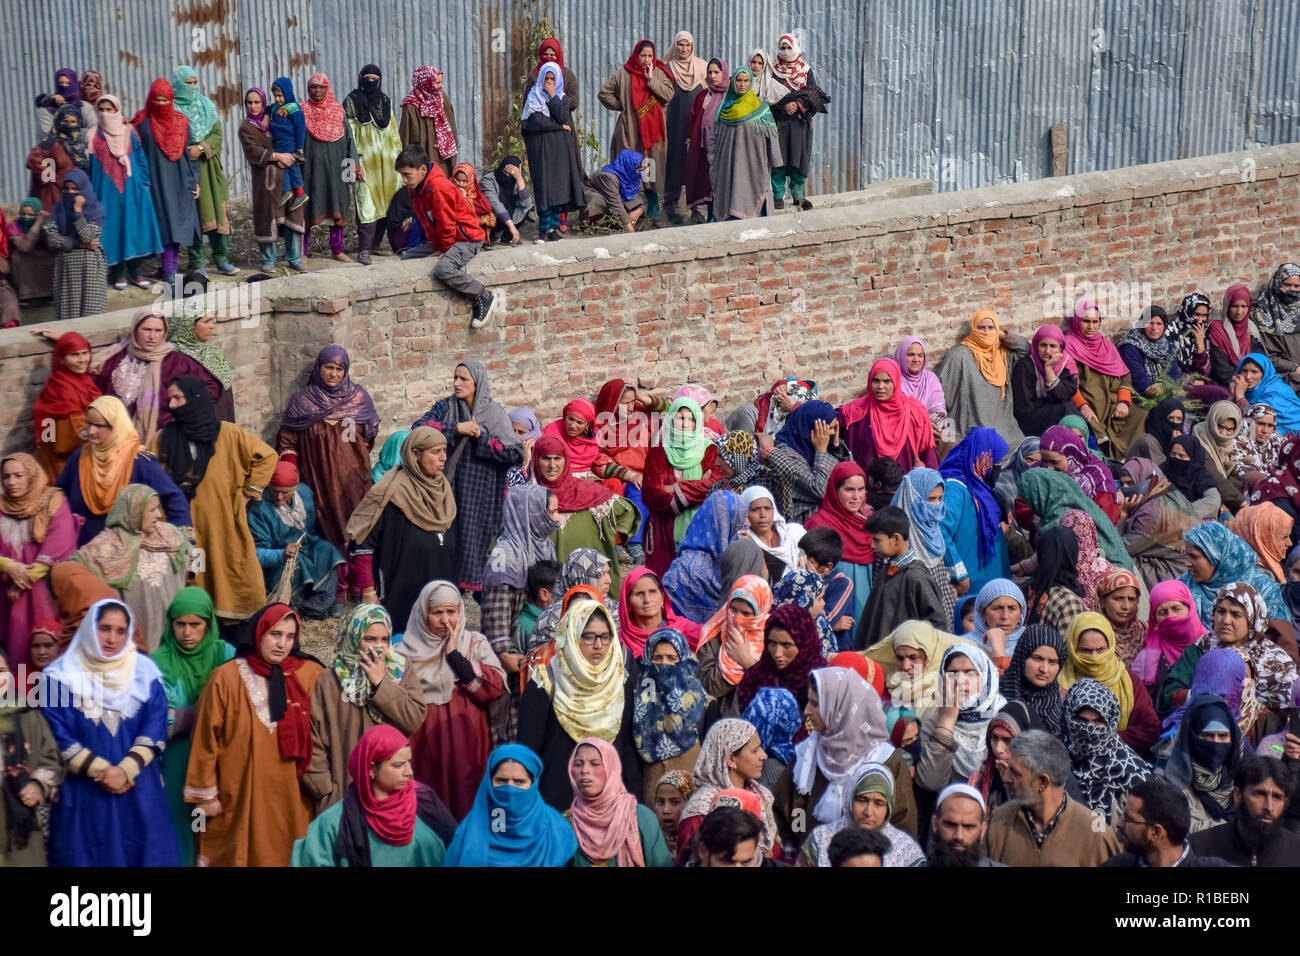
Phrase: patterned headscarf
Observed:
(1093, 565)
(317, 401)
(1014, 685)
(324, 119)
(740, 451)
(801, 588)
(973, 716)
(198, 109)
(1129, 637)
(587, 698)
(1156, 353)
(114, 553)
(1104, 766)
(1277, 310)
(208, 354)
(525, 538)
(1251, 453)
(429, 101)
(775, 715)
(70, 135)
(755, 592)
(670, 700)
(1234, 562)
(582, 566)
(1275, 672)
(1051, 494)
(357, 689)
(1093, 476)
(710, 775)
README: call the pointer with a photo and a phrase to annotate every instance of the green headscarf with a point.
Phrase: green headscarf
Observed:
(347, 656)
(1052, 493)
(390, 456)
(736, 108)
(208, 354)
(191, 669)
(1076, 424)
(25, 223)
(197, 108)
(685, 450)
(114, 553)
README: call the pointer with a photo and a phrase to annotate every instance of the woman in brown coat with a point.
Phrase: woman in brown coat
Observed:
(271, 221)
(638, 93)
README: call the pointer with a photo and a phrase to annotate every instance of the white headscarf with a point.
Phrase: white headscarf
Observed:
(971, 729)
(120, 683)
(788, 533)
(765, 85)
(423, 649)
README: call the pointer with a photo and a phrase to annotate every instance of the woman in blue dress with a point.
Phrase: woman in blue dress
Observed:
(107, 708)
(119, 171)
(972, 516)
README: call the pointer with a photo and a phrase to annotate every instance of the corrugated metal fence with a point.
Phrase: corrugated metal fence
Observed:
(962, 92)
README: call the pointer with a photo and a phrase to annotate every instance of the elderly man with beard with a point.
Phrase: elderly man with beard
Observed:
(1154, 828)
(1043, 826)
(957, 830)
(1255, 835)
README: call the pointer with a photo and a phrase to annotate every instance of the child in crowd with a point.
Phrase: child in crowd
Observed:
(902, 589)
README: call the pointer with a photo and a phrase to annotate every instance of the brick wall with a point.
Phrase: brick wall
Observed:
(735, 305)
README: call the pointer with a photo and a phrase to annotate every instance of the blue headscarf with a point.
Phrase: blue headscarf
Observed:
(625, 166)
(390, 456)
(1275, 393)
(670, 700)
(775, 715)
(694, 581)
(1233, 560)
(994, 589)
(801, 588)
(512, 827)
(971, 462)
(64, 215)
(537, 99)
(926, 517)
(796, 433)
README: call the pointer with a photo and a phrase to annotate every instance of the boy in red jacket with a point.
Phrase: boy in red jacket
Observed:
(450, 228)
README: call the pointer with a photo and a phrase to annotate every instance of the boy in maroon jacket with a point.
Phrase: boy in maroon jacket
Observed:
(450, 228)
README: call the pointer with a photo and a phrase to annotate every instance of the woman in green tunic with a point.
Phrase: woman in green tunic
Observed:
(189, 651)
(369, 113)
(214, 188)
(611, 827)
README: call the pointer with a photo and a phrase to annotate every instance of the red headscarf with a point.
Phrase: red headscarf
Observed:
(1234, 344)
(171, 130)
(289, 701)
(867, 669)
(851, 527)
(649, 112)
(574, 494)
(582, 451)
(393, 818)
(549, 44)
(745, 800)
(894, 421)
(324, 119)
(606, 823)
(475, 195)
(634, 635)
(65, 393)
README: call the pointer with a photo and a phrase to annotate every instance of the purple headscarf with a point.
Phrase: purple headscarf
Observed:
(713, 96)
(1222, 672)
(262, 122)
(72, 95)
(525, 417)
(924, 385)
(317, 401)
(1093, 476)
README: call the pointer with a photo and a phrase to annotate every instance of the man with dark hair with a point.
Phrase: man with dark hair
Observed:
(728, 837)
(902, 588)
(822, 548)
(854, 846)
(957, 829)
(450, 228)
(1255, 835)
(884, 476)
(1154, 828)
(1043, 826)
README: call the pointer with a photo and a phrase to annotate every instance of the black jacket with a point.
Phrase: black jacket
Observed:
(1224, 841)
(1192, 858)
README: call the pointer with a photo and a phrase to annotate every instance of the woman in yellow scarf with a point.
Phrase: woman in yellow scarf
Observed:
(1090, 652)
(912, 656)
(743, 152)
(975, 374)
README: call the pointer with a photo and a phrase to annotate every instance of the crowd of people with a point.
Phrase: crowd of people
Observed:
(1034, 606)
(692, 141)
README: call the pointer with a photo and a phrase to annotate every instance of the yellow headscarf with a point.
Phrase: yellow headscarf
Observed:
(588, 698)
(105, 470)
(990, 355)
(1107, 667)
(920, 694)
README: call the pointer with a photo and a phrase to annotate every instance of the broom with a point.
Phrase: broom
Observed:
(283, 589)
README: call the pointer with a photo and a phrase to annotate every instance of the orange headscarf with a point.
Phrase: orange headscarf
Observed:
(106, 469)
(39, 503)
(1266, 528)
(990, 355)
(756, 592)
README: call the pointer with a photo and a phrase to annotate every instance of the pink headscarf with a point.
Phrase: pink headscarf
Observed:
(606, 823)
(924, 385)
(1171, 636)
(1066, 364)
(1235, 344)
(1098, 353)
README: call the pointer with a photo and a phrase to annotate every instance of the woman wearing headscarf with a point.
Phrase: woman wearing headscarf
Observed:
(528, 523)
(405, 524)
(1054, 594)
(552, 162)
(585, 572)
(139, 368)
(612, 828)
(776, 718)
(846, 724)
(615, 191)
(220, 467)
(921, 497)
(1032, 677)
(1062, 450)
(586, 689)
(252, 745)
(885, 422)
(459, 676)
(639, 92)
(119, 172)
(868, 804)
(1091, 653)
(112, 458)
(1023, 457)
(733, 640)
(67, 92)
(385, 817)
(791, 651)
(192, 330)
(188, 651)
(731, 757)
(328, 149)
(1217, 435)
(1153, 529)
(1256, 382)
(999, 620)
(1043, 388)
(81, 271)
(1117, 596)
(1230, 335)
(28, 266)
(954, 735)
(1203, 762)
(918, 382)
(63, 149)
(466, 179)
(1276, 316)
(511, 823)
(1105, 383)
(972, 516)
(328, 429)
(1267, 529)
(205, 150)
(808, 590)
(165, 134)
(33, 770)
(743, 153)
(911, 656)
(142, 557)
(700, 125)
(668, 712)
(1217, 557)
(428, 119)
(975, 375)
(1256, 451)
(1162, 349)
(1093, 564)
(1105, 767)
(508, 196)
(768, 529)
(369, 684)
(796, 99)
(694, 580)
(378, 140)
(1165, 422)
(767, 413)
(799, 458)
(1051, 494)
(272, 220)
(624, 414)
(689, 76)
(1173, 627)
(390, 455)
(842, 507)
(108, 714)
(37, 531)
(644, 608)
(679, 472)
